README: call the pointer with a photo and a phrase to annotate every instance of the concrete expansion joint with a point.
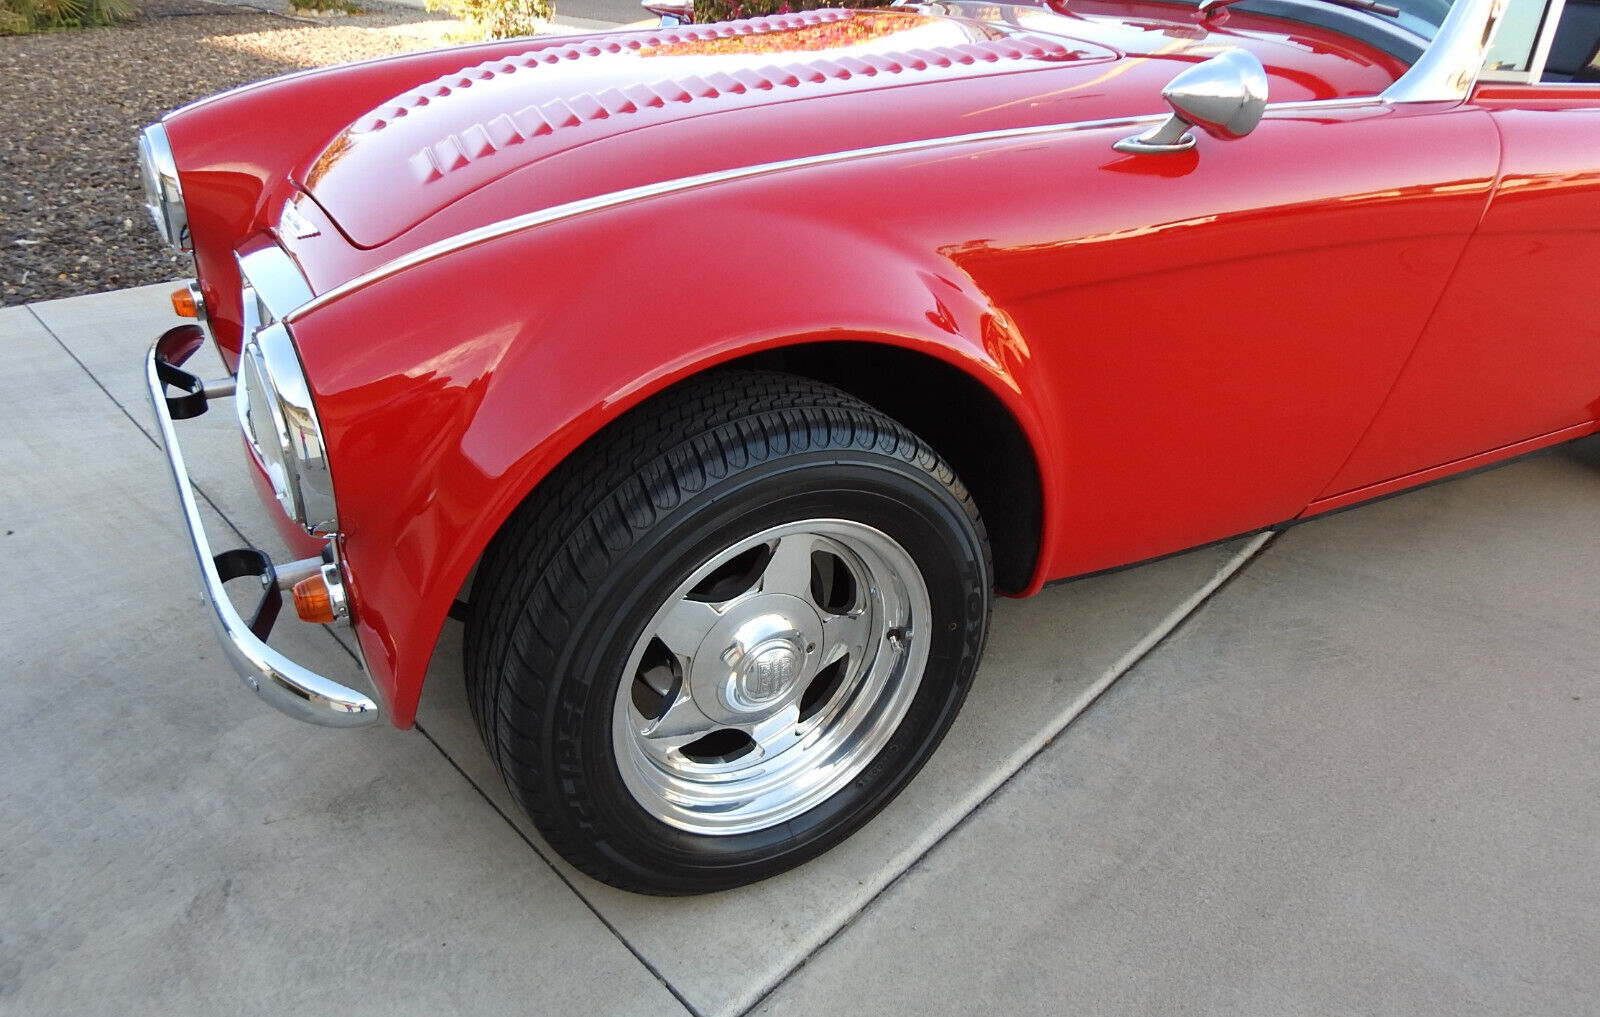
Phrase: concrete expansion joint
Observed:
(233, 527)
(1028, 753)
(610, 926)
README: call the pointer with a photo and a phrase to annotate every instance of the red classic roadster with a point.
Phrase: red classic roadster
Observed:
(719, 375)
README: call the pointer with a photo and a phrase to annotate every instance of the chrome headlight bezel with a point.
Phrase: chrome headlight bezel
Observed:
(163, 194)
(276, 411)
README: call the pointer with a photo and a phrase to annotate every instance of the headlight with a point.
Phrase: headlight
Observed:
(280, 424)
(163, 196)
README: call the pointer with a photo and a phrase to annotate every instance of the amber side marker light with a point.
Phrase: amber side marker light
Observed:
(313, 602)
(183, 303)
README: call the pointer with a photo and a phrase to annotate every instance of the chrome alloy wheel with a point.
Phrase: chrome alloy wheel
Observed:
(771, 677)
(726, 632)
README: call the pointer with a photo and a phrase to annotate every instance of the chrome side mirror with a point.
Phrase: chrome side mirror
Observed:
(1224, 96)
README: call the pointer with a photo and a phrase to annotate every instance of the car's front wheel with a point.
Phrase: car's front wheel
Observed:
(727, 633)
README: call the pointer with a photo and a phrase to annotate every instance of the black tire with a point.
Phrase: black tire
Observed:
(567, 590)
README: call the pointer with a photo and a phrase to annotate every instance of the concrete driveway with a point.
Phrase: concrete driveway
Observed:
(1352, 769)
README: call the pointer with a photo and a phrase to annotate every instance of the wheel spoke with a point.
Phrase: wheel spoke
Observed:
(685, 625)
(844, 635)
(681, 724)
(775, 729)
(789, 569)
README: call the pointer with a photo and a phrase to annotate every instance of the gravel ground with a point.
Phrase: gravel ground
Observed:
(72, 218)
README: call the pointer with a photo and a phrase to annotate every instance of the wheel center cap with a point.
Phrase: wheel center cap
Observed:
(768, 673)
(757, 659)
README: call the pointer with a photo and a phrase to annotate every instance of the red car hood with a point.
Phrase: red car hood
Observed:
(439, 143)
(557, 124)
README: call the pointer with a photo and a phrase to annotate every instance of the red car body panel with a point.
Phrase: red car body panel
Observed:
(482, 421)
(237, 149)
(461, 150)
(1491, 371)
(1194, 346)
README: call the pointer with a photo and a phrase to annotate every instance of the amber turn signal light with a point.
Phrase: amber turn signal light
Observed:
(313, 602)
(183, 303)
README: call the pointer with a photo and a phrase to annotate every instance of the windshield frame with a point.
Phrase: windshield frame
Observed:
(1538, 51)
(1449, 68)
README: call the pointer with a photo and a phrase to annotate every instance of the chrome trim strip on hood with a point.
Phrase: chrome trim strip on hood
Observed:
(1446, 72)
(556, 213)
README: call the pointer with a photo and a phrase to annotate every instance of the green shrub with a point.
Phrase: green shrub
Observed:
(726, 10)
(497, 19)
(18, 17)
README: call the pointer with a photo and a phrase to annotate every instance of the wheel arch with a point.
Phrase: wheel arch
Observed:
(984, 443)
(448, 432)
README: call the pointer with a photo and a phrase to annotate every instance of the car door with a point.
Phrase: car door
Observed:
(1511, 359)
(1219, 327)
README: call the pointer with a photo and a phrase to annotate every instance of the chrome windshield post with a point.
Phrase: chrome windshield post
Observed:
(1449, 67)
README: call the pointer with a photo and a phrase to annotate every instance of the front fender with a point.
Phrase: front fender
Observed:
(449, 390)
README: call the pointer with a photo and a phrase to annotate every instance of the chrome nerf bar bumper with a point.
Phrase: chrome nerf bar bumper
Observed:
(293, 689)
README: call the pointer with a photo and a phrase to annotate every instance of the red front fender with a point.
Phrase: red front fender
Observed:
(448, 391)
